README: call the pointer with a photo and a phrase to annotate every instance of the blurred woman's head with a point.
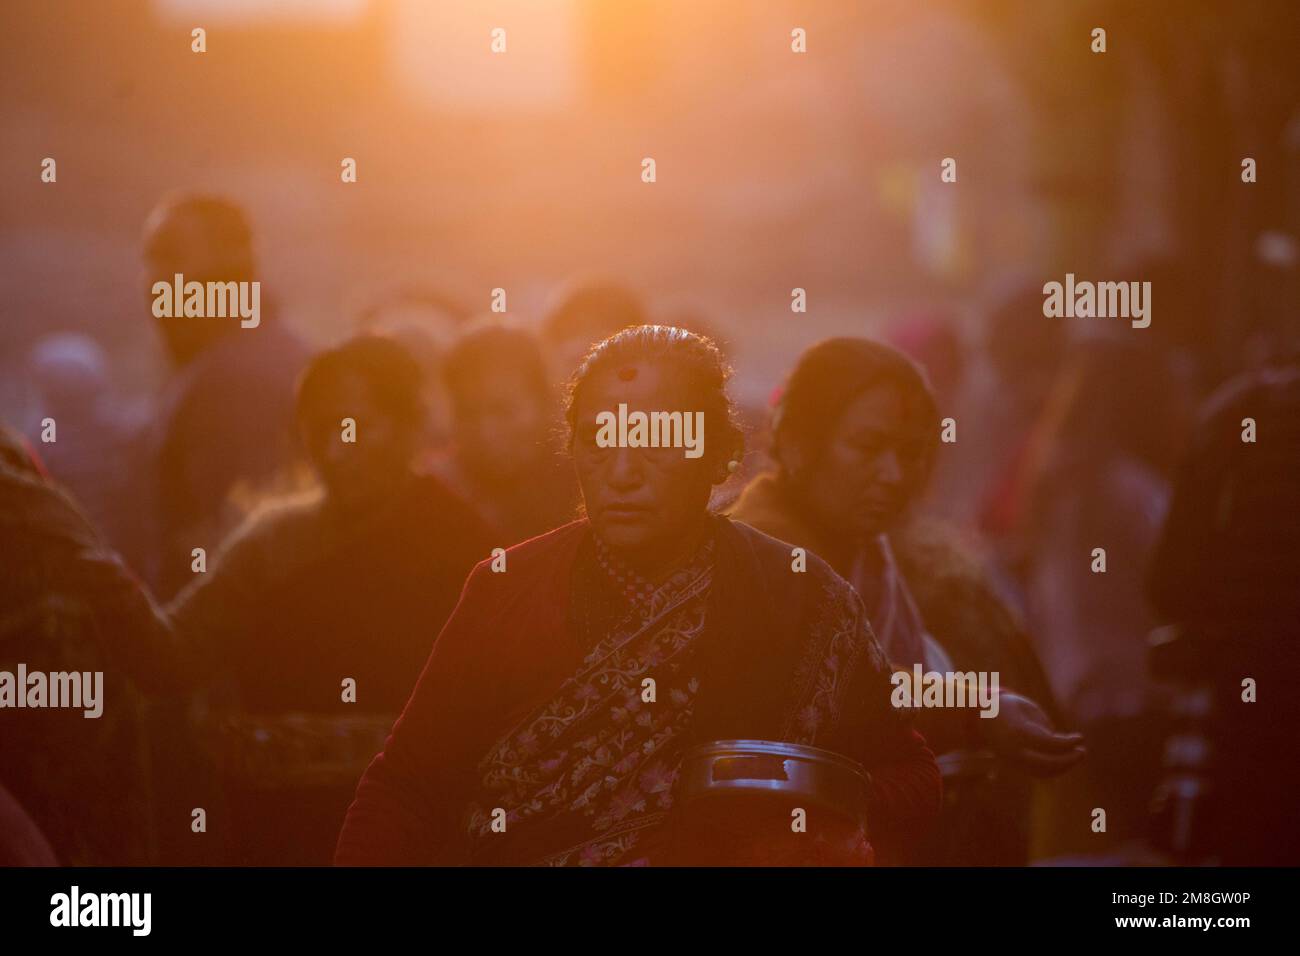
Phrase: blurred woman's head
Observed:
(646, 502)
(584, 312)
(373, 384)
(502, 405)
(855, 435)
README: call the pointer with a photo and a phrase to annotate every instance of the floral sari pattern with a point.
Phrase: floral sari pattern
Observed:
(596, 752)
(590, 772)
(834, 644)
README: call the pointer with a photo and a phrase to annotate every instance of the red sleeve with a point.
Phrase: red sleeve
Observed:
(406, 807)
(906, 795)
(906, 791)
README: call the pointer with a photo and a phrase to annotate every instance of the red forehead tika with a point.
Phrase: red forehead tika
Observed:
(627, 373)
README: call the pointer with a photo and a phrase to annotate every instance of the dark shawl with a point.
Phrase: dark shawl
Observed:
(508, 648)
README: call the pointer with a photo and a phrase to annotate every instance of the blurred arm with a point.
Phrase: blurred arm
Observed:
(407, 803)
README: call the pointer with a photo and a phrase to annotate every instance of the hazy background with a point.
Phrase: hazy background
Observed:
(775, 170)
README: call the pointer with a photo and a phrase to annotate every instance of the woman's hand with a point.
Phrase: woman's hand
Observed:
(1023, 734)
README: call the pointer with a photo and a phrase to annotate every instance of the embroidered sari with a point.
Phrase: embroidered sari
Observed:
(595, 764)
(533, 736)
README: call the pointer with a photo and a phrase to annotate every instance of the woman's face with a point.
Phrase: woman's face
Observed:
(358, 473)
(644, 502)
(501, 428)
(872, 466)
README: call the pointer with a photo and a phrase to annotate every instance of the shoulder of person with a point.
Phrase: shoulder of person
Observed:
(760, 505)
(947, 578)
(436, 493)
(38, 505)
(933, 553)
(534, 561)
(275, 523)
(776, 560)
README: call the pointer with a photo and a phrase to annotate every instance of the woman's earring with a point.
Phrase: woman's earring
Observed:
(733, 466)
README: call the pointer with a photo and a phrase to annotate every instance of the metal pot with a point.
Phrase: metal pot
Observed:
(734, 801)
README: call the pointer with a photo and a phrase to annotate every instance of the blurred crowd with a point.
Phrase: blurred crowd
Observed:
(228, 562)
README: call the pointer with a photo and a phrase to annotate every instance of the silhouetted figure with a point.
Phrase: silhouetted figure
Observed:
(505, 457)
(225, 416)
(69, 605)
(426, 322)
(1224, 577)
(1025, 353)
(98, 453)
(320, 610)
(1095, 494)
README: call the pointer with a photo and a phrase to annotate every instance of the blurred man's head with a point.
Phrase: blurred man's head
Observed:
(360, 416)
(205, 239)
(584, 314)
(502, 405)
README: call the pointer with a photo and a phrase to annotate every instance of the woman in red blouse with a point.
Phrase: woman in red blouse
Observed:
(578, 668)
